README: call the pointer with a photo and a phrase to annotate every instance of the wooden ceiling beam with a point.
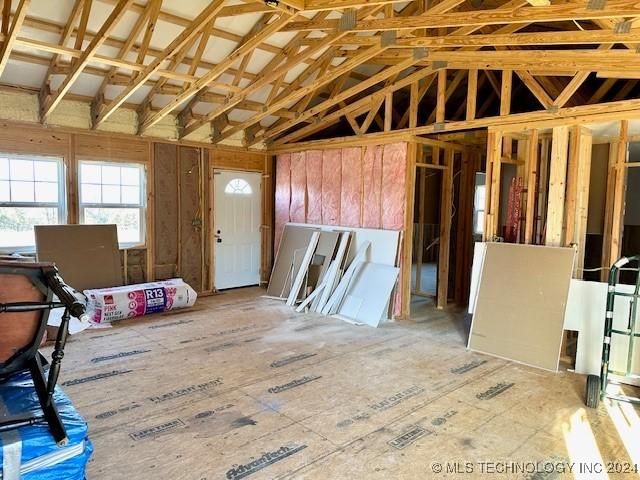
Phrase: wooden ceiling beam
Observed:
(599, 94)
(578, 37)
(52, 27)
(187, 112)
(367, 101)
(535, 88)
(336, 99)
(219, 69)
(147, 17)
(12, 34)
(344, 67)
(324, 5)
(538, 60)
(569, 11)
(461, 31)
(52, 102)
(6, 16)
(227, 11)
(206, 15)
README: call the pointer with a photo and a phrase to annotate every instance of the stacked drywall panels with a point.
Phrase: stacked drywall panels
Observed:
(347, 272)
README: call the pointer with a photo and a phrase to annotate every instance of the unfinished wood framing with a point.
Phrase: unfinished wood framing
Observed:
(445, 228)
(557, 186)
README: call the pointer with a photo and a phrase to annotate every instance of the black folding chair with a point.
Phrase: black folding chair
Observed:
(26, 298)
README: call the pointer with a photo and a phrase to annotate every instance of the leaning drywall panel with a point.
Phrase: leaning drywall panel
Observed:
(384, 243)
(522, 297)
(585, 314)
(367, 299)
(479, 251)
(86, 255)
(293, 238)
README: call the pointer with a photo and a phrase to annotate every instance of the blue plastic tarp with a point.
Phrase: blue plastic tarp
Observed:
(40, 457)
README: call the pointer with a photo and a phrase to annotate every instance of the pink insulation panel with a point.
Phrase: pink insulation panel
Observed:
(314, 186)
(283, 195)
(394, 172)
(298, 205)
(331, 186)
(372, 182)
(351, 193)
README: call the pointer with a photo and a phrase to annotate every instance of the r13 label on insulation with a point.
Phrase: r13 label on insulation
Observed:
(155, 299)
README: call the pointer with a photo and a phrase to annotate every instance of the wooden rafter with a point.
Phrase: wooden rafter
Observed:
(350, 57)
(147, 17)
(214, 73)
(575, 10)
(12, 33)
(52, 102)
(186, 113)
(205, 16)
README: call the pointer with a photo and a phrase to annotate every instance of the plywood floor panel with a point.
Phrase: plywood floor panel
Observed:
(241, 379)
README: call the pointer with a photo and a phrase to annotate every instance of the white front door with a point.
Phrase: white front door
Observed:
(236, 228)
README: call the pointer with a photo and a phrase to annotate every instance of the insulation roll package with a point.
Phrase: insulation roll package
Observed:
(106, 305)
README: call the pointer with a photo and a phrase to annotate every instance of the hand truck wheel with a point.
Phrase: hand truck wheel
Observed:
(593, 391)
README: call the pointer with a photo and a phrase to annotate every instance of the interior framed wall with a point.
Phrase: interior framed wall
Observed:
(177, 180)
(455, 164)
(576, 188)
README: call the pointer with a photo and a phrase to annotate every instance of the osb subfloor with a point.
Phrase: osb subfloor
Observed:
(243, 387)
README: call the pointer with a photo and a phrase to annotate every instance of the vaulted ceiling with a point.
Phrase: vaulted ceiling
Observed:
(297, 69)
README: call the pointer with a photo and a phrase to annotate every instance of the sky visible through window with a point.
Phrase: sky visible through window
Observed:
(30, 194)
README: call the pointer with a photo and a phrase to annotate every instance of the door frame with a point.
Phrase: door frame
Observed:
(212, 212)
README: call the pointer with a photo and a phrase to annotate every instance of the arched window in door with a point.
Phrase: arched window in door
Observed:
(238, 186)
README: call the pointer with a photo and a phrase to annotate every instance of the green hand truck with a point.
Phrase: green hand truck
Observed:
(597, 385)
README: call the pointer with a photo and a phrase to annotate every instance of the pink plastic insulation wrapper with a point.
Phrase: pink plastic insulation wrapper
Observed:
(107, 305)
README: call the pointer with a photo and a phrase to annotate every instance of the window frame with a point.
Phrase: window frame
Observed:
(61, 205)
(142, 207)
(480, 182)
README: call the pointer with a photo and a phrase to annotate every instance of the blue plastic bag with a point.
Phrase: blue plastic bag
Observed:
(41, 458)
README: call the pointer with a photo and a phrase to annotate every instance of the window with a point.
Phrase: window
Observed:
(114, 193)
(478, 204)
(31, 193)
(238, 186)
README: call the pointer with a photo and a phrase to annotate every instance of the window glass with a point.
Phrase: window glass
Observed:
(113, 193)
(238, 186)
(31, 193)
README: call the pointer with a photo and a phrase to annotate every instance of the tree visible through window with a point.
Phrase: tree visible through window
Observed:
(114, 193)
(238, 186)
(31, 193)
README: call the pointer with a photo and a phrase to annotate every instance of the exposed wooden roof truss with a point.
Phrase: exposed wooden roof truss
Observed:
(307, 68)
